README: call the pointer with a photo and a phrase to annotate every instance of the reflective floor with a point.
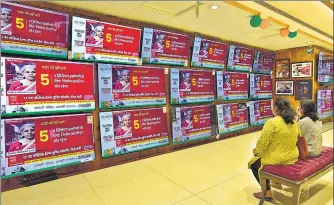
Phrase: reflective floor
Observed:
(214, 174)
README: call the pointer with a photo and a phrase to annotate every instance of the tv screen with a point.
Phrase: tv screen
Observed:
(232, 86)
(209, 54)
(240, 59)
(132, 130)
(232, 117)
(325, 103)
(162, 47)
(30, 86)
(263, 62)
(31, 31)
(325, 68)
(191, 86)
(131, 86)
(192, 123)
(104, 42)
(261, 86)
(33, 144)
(259, 112)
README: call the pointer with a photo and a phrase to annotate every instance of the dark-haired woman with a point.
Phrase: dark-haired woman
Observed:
(277, 144)
(310, 127)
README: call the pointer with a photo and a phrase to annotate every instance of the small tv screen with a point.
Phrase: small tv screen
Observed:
(191, 86)
(162, 47)
(240, 59)
(263, 62)
(259, 112)
(209, 54)
(132, 130)
(232, 117)
(131, 86)
(232, 86)
(325, 103)
(32, 31)
(104, 42)
(261, 86)
(192, 123)
(33, 144)
(325, 68)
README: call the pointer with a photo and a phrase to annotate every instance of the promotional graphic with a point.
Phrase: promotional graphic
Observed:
(325, 68)
(240, 59)
(263, 62)
(232, 86)
(303, 90)
(192, 123)
(325, 103)
(259, 112)
(209, 54)
(162, 47)
(191, 86)
(132, 130)
(36, 144)
(33, 31)
(104, 42)
(130, 86)
(261, 86)
(232, 117)
(30, 86)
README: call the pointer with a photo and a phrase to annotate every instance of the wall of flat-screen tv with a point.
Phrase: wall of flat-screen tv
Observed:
(47, 105)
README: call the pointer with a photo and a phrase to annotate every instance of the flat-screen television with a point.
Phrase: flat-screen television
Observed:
(30, 86)
(232, 117)
(104, 42)
(40, 143)
(325, 103)
(131, 86)
(259, 112)
(325, 68)
(240, 59)
(32, 31)
(232, 86)
(191, 86)
(193, 123)
(263, 62)
(261, 86)
(162, 47)
(132, 130)
(209, 54)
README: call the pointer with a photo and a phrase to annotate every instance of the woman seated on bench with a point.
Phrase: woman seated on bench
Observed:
(277, 144)
(310, 127)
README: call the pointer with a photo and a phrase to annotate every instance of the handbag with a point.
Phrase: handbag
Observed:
(302, 147)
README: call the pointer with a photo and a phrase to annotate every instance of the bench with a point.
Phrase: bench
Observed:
(298, 176)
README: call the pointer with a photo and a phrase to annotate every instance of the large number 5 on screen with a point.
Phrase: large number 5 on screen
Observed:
(195, 118)
(45, 79)
(136, 124)
(167, 44)
(135, 80)
(108, 37)
(210, 51)
(19, 23)
(43, 135)
(193, 81)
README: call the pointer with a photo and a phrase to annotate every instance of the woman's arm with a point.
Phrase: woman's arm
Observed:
(266, 135)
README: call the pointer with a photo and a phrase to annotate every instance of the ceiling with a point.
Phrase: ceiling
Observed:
(230, 22)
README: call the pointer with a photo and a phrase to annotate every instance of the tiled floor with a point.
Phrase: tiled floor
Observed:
(214, 174)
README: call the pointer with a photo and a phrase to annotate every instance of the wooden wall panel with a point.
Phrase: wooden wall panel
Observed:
(299, 55)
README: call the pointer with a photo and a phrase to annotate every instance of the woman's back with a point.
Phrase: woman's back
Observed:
(312, 132)
(282, 139)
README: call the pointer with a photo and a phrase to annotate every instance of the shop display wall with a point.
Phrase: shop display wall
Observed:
(182, 99)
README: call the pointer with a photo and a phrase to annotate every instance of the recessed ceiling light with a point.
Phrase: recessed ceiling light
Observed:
(309, 42)
(214, 7)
